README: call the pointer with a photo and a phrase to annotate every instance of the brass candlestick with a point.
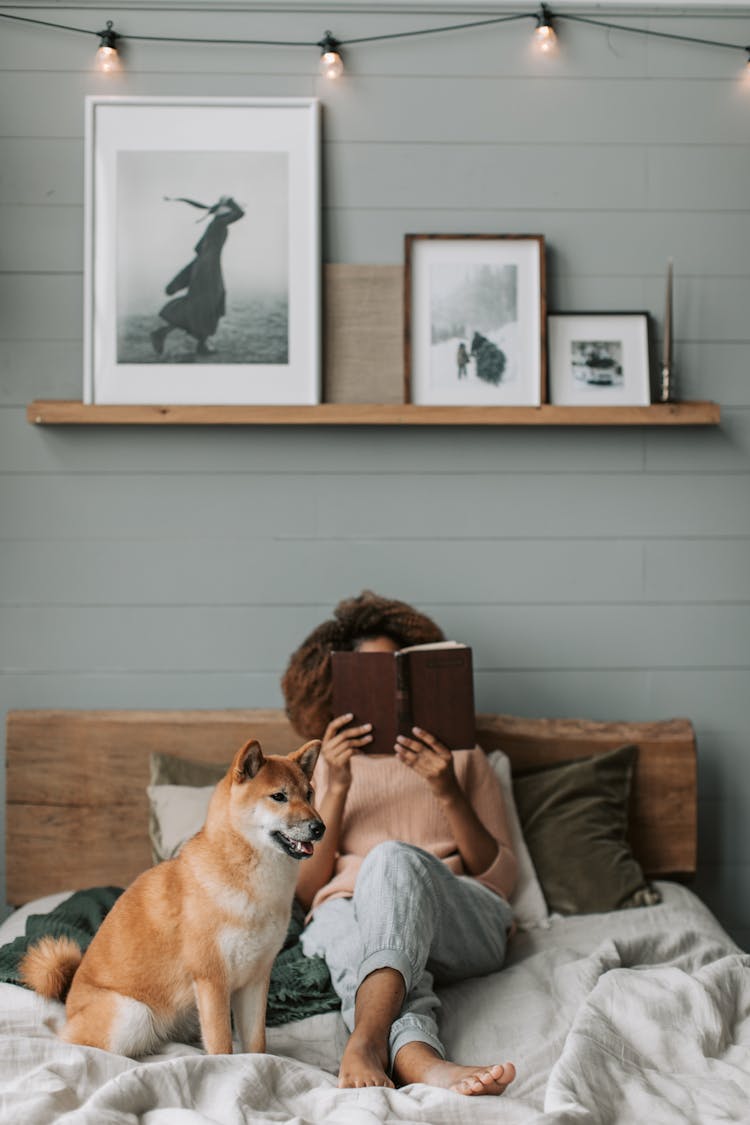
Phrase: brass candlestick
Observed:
(666, 387)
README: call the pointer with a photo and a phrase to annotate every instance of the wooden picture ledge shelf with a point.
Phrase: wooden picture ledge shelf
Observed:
(68, 413)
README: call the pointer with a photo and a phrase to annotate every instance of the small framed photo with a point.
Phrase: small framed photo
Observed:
(202, 255)
(599, 359)
(475, 319)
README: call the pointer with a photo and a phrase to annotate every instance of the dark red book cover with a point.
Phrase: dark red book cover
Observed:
(429, 686)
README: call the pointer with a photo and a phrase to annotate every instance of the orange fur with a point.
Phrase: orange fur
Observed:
(48, 967)
(202, 930)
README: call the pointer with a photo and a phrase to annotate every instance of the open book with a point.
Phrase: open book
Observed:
(428, 686)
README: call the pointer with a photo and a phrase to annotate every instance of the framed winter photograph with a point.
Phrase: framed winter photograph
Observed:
(599, 359)
(202, 256)
(475, 319)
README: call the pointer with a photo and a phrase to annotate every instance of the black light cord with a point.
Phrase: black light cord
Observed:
(508, 18)
(649, 31)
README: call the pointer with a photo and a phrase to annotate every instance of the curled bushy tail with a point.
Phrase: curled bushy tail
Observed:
(49, 966)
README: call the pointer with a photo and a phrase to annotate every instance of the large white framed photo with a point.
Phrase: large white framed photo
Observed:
(202, 257)
(475, 319)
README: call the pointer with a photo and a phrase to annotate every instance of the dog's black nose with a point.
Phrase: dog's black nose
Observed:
(317, 828)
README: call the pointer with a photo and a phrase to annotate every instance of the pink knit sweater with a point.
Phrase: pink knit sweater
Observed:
(389, 801)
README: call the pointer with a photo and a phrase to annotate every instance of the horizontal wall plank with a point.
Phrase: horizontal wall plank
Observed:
(475, 176)
(724, 888)
(728, 448)
(616, 110)
(151, 506)
(51, 104)
(566, 174)
(421, 449)
(26, 365)
(41, 171)
(697, 570)
(435, 108)
(460, 507)
(637, 243)
(195, 638)
(707, 245)
(723, 828)
(206, 572)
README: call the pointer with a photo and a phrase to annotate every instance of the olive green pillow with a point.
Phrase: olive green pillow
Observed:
(169, 770)
(574, 818)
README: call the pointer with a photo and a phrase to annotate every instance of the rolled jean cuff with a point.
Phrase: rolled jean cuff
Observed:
(386, 959)
(410, 1030)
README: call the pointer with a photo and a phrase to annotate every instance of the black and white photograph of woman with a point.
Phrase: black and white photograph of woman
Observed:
(202, 258)
(204, 302)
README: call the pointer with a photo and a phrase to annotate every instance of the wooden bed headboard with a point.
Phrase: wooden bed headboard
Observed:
(77, 811)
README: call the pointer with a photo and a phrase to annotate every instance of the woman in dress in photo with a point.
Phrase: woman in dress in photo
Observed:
(198, 312)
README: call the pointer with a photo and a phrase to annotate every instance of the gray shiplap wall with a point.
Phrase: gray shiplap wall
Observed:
(601, 572)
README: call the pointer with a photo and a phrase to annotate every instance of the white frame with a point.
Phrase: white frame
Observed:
(197, 124)
(629, 329)
(526, 385)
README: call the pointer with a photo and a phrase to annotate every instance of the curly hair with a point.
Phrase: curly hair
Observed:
(307, 683)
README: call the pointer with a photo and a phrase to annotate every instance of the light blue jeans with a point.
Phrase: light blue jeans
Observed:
(410, 913)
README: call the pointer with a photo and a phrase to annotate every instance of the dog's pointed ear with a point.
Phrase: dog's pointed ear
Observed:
(307, 756)
(247, 761)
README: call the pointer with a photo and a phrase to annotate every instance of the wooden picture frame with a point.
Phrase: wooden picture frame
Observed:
(202, 264)
(599, 359)
(475, 319)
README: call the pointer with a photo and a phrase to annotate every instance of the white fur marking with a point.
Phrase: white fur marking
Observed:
(135, 1031)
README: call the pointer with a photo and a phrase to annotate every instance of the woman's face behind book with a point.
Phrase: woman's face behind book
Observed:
(376, 644)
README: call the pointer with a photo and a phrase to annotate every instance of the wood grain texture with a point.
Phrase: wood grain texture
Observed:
(62, 412)
(77, 811)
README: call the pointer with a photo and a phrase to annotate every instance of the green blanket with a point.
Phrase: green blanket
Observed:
(300, 986)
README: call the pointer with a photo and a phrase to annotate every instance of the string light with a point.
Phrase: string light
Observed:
(545, 39)
(331, 62)
(107, 56)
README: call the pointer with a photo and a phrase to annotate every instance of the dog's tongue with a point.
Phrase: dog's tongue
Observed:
(305, 847)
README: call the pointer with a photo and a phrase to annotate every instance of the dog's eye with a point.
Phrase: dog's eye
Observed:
(280, 796)
(310, 795)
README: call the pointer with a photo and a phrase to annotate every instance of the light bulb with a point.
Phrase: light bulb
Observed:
(107, 55)
(331, 62)
(545, 40)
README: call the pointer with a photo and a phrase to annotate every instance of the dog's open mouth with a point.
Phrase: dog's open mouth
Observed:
(298, 849)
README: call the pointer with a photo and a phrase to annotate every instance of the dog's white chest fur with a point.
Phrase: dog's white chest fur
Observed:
(258, 919)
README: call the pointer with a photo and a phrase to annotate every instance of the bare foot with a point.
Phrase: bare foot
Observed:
(480, 1079)
(362, 1065)
(417, 1062)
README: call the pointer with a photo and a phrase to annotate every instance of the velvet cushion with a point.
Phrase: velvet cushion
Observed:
(174, 817)
(575, 818)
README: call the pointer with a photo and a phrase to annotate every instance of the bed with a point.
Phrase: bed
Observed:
(620, 1016)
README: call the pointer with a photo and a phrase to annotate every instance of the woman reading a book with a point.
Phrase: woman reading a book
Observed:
(412, 878)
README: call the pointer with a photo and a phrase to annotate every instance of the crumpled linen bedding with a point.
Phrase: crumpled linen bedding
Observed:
(641, 1016)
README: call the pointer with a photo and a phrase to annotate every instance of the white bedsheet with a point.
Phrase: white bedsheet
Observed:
(637, 1017)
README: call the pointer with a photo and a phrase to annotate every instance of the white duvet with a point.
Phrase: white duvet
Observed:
(640, 1018)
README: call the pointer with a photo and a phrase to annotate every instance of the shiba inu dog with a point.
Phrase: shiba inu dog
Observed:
(198, 934)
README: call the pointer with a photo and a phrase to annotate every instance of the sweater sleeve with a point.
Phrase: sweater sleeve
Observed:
(486, 798)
